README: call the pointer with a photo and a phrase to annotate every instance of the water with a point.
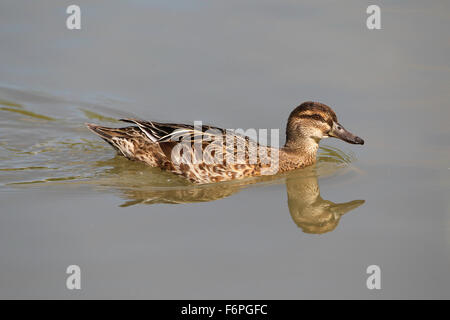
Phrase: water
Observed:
(136, 232)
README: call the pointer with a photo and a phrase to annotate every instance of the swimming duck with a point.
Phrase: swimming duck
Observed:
(203, 154)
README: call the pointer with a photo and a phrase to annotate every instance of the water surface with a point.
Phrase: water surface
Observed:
(137, 232)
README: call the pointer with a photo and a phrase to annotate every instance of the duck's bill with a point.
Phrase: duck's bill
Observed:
(338, 131)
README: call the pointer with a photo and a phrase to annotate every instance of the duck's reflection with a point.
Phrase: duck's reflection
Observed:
(309, 211)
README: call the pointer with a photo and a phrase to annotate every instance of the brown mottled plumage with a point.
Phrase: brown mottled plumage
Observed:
(203, 155)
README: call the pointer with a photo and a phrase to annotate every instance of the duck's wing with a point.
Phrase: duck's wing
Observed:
(206, 153)
(153, 130)
(164, 132)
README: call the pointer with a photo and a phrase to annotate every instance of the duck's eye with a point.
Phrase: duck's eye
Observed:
(317, 117)
(339, 127)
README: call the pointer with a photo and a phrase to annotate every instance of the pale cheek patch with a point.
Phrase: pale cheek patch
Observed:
(314, 133)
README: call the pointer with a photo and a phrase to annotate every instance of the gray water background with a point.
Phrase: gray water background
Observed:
(234, 64)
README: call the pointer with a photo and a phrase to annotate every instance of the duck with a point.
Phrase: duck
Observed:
(207, 154)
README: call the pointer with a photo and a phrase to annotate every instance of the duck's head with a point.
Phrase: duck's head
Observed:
(312, 121)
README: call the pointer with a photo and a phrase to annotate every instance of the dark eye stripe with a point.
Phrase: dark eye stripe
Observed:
(312, 116)
(317, 117)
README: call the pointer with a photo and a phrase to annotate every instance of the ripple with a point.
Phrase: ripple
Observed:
(27, 113)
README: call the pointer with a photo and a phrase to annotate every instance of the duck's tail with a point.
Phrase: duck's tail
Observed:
(113, 135)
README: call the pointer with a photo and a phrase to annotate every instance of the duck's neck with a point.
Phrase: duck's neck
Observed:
(299, 153)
